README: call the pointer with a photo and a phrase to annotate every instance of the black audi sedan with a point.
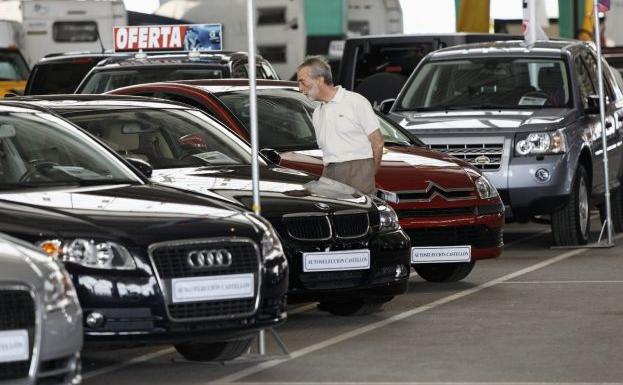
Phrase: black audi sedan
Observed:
(150, 263)
(345, 250)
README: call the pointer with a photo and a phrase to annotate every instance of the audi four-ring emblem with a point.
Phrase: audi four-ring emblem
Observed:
(199, 259)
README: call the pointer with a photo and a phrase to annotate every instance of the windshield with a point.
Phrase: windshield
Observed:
(285, 119)
(12, 66)
(103, 81)
(40, 149)
(170, 138)
(488, 83)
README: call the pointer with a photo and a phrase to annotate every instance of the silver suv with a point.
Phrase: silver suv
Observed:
(529, 119)
(40, 319)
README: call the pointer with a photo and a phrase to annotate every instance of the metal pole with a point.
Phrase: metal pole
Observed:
(602, 116)
(532, 27)
(255, 172)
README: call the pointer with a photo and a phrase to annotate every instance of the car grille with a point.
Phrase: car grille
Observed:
(17, 311)
(211, 309)
(351, 224)
(322, 227)
(170, 260)
(476, 236)
(441, 212)
(331, 280)
(487, 156)
(308, 226)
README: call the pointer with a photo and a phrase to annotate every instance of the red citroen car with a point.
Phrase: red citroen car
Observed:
(452, 213)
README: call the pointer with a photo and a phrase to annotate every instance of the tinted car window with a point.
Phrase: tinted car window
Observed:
(41, 149)
(169, 138)
(103, 81)
(489, 82)
(12, 66)
(58, 78)
(584, 81)
(284, 117)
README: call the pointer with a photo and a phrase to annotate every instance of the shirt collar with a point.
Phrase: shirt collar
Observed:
(338, 97)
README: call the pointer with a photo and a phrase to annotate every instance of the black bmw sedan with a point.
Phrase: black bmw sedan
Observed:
(150, 263)
(345, 250)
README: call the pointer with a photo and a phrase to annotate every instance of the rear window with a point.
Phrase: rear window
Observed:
(74, 31)
(59, 78)
(104, 81)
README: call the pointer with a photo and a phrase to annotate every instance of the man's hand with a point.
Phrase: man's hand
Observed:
(376, 140)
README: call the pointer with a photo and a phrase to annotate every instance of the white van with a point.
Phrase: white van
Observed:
(52, 26)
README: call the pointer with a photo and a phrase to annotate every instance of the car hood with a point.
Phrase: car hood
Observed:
(405, 168)
(282, 190)
(135, 215)
(23, 265)
(483, 122)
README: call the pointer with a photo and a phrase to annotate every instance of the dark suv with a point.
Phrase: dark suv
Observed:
(151, 264)
(123, 70)
(61, 73)
(378, 66)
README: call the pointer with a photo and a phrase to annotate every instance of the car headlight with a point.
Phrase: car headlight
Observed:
(89, 253)
(388, 220)
(485, 188)
(542, 143)
(271, 244)
(58, 291)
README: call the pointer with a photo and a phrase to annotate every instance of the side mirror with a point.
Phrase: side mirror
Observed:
(144, 167)
(271, 155)
(386, 106)
(593, 105)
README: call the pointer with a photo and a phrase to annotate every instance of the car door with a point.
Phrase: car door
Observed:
(612, 124)
(591, 122)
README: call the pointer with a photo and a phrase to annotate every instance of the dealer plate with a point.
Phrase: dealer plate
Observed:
(197, 289)
(336, 260)
(14, 346)
(443, 254)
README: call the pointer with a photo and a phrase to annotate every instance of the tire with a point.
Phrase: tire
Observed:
(444, 272)
(571, 224)
(354, 307)
(616, 208)
(217, 351)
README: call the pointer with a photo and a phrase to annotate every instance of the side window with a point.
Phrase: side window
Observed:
(584, 80)
(592, 65)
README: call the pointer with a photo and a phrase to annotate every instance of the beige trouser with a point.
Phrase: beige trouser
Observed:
(356, 173)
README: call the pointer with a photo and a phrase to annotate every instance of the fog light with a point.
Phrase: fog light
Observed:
(401, 271)
(95, 320)
(542, 175)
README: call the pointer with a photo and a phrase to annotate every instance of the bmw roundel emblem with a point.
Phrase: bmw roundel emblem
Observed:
(322, 206)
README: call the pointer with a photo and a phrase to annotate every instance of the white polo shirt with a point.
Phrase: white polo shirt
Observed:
(342, 127)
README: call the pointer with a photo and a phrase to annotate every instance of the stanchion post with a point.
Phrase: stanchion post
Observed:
(602, 116)
(255, 172)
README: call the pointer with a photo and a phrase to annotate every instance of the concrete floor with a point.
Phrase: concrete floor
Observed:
(535, 315)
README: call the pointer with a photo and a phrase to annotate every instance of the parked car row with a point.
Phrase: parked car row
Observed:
(136, 203)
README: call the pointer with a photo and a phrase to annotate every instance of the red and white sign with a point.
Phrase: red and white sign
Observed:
(149, 38)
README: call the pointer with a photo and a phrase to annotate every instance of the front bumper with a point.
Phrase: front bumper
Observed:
(525, 195)
(387, 252)
(480, 227)
(131, 308)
